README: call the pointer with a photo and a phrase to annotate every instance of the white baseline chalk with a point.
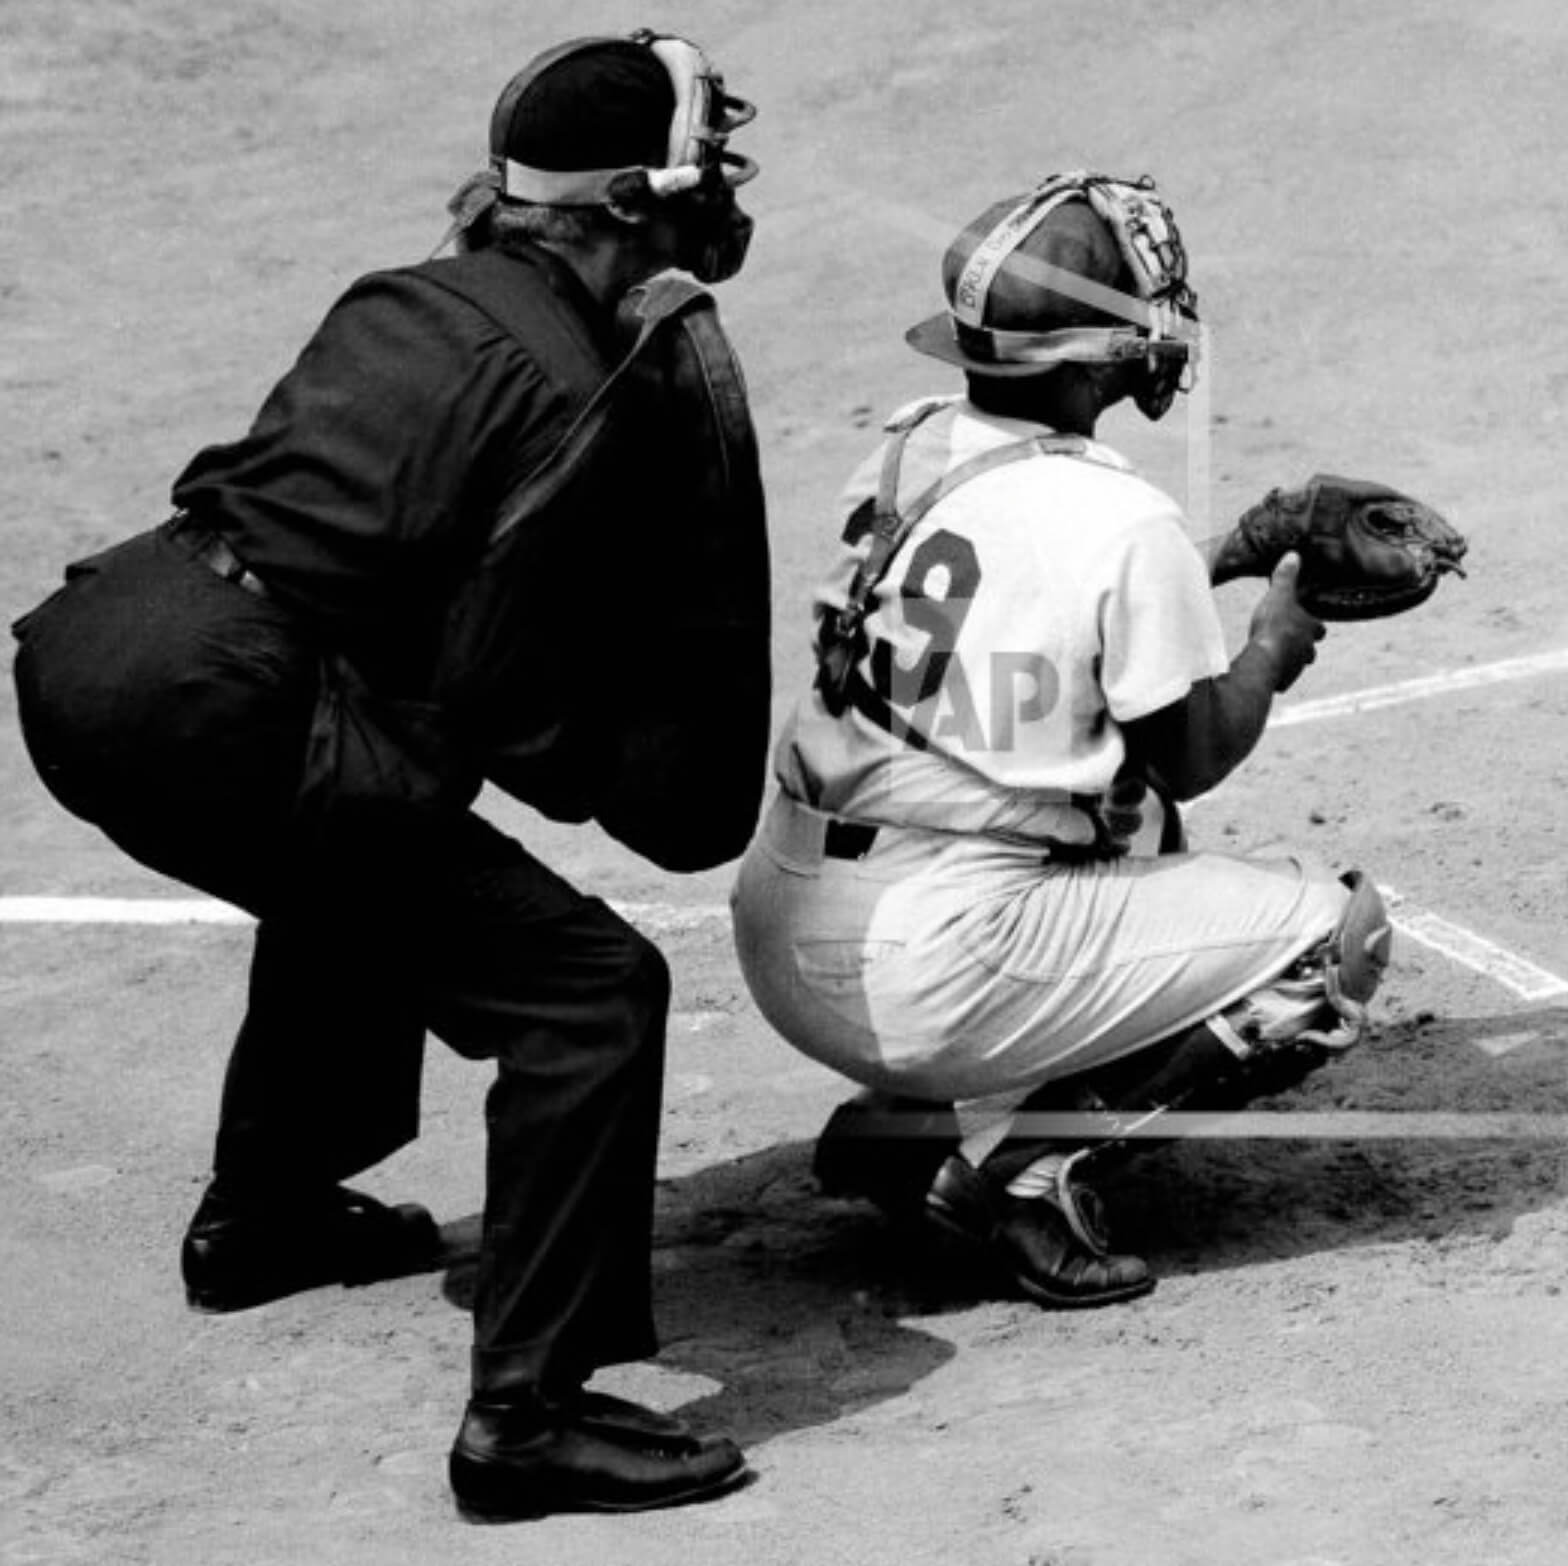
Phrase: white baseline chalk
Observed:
(1444, 684)
(1526, 979)
(665, 917)
(119, 910)
(1473, 951)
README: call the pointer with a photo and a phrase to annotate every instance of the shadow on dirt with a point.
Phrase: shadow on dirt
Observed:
(1491, 1091)
(791, 1303)
(800, 1305)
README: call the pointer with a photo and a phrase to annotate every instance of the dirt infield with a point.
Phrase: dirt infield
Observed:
(1358, 1351)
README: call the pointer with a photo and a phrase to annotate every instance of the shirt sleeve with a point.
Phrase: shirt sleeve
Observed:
(387, 442)
(1159, 627)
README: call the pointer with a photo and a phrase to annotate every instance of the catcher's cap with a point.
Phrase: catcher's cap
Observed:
(589, 113)
(1081, 269)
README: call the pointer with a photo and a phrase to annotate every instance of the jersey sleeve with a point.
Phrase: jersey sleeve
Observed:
(1159, 628)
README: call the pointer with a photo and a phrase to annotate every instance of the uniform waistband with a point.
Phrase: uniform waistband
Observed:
(798, 832)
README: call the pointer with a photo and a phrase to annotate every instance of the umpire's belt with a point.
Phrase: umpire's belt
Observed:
(215, 552)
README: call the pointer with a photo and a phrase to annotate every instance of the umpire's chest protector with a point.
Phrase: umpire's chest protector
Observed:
(624, 588)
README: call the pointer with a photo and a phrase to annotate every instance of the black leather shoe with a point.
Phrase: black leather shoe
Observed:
(238, 1254)
(1056, 1259)
(885, 1149)
(593, 1453)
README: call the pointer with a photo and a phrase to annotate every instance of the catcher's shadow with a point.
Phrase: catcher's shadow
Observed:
(796, 1304)
(1482, 1151)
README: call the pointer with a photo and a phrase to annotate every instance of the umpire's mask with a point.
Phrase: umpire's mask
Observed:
(628, 120)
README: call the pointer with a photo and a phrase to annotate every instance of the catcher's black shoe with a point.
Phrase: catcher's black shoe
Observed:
(1052, 1246)
(591, 1453)
(884, 1149)
(239, 1254)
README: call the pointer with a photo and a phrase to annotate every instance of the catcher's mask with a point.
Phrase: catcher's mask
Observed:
(690, 167)
(1083, 269)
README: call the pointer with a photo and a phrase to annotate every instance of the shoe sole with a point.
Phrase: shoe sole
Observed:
(216, 1302)
(482, 1515)
(941, 1217)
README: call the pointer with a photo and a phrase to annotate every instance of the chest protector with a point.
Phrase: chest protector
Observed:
(610, 652)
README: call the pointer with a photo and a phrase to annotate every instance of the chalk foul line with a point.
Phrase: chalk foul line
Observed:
(1509, 969)
(662, 917)
(1513, 972)
(1451, 680)
(1524, 978)
(119, 910)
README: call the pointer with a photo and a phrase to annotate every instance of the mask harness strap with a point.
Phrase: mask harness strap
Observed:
(841, 637)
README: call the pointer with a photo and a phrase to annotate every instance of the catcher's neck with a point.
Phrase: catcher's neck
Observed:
(1066, 399)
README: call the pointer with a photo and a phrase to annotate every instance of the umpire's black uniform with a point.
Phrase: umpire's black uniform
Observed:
(290, 694)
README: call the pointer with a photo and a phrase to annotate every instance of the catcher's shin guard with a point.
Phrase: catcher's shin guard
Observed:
(1267, 1042)
(1119, 1108)
(1356, 955)
(1322, 998)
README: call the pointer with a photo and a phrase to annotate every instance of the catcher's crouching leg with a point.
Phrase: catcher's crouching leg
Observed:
(1032, 1203)
(1266, 1042)
(1321, 1000)
(1031, 1206)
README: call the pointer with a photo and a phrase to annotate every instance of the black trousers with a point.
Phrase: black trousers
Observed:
(169, 708)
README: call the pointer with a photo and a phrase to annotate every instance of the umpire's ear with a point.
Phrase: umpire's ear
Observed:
(631, 198)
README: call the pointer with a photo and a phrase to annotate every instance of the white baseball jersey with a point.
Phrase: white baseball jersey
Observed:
(1030, 613)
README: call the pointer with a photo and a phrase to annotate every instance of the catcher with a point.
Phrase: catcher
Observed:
(971, 893)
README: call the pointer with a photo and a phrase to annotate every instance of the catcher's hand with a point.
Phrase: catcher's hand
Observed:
(1283, 625)
(1366, 550)
(1123, 807)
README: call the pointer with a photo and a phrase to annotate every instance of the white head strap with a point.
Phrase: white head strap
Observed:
(705, 116)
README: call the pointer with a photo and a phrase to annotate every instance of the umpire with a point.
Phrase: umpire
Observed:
(501, 522)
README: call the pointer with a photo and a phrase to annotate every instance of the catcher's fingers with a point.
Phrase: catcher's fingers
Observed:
(1288, 631)
(1123, 806)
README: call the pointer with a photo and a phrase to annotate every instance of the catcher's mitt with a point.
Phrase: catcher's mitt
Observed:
(1366, 550)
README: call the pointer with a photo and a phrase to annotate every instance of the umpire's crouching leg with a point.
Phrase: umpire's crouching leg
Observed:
(571, 1002)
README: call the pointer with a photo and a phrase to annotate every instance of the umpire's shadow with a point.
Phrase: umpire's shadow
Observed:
(789, 1301)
